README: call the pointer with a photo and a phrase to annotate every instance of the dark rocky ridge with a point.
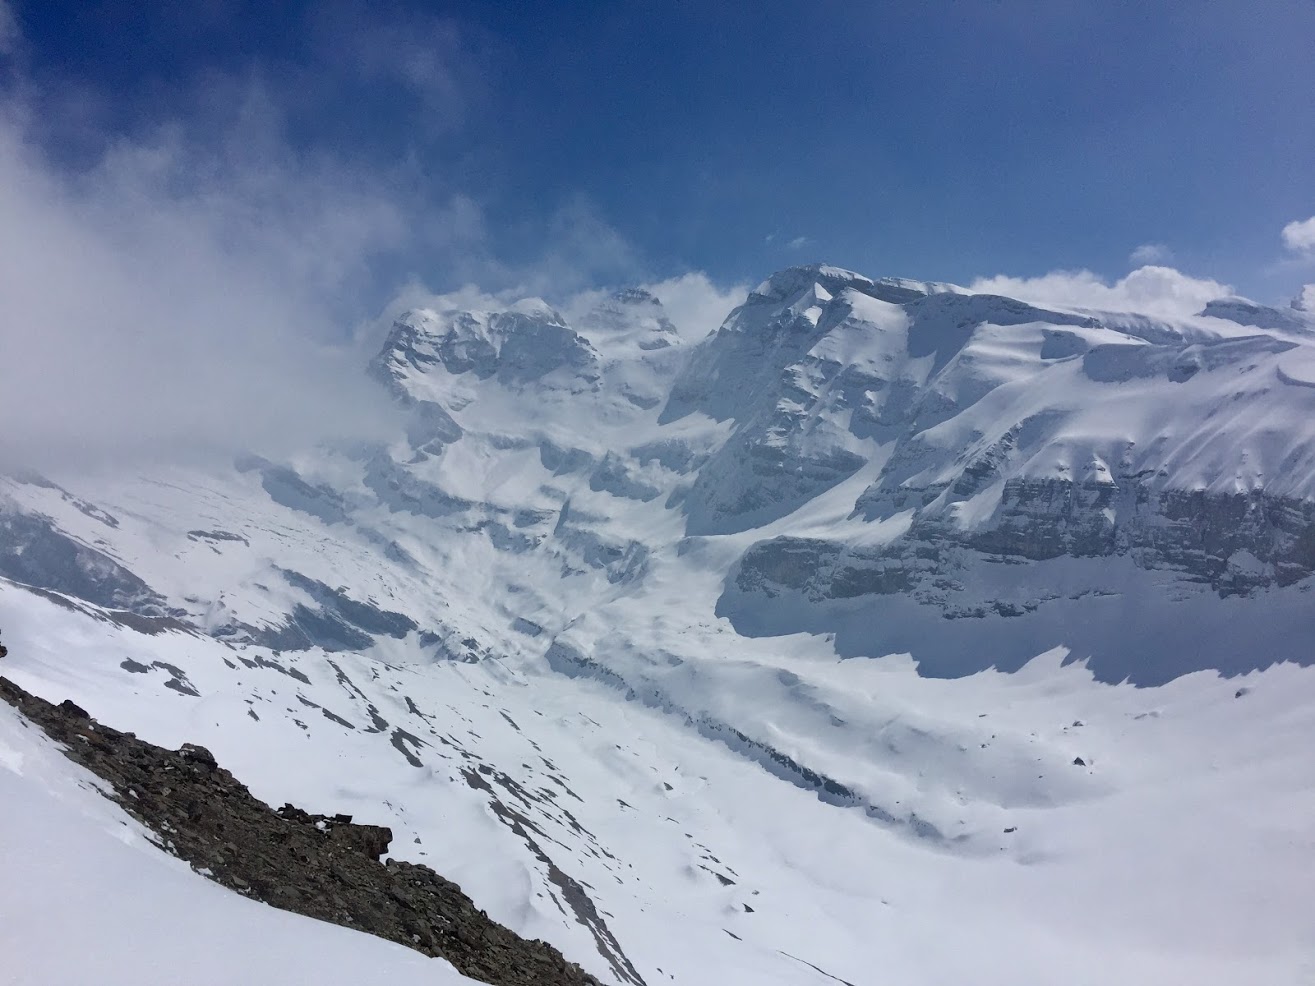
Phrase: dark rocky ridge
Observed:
(1192, 533)
(324, 867)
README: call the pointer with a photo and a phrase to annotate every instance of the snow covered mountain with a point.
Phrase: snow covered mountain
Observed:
(877, 636)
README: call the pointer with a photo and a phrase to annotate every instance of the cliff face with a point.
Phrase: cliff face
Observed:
(1144, 582)
(1235, 544)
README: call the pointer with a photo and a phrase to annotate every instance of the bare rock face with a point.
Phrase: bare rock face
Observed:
(1234, 544)
(1148, 581)
(323, 866)
(371, 840)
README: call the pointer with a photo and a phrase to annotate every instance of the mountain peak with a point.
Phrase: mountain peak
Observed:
(520, 342)
(791, 281)
(787, 284)
(536, 308)
(629, 318)
(635, 296)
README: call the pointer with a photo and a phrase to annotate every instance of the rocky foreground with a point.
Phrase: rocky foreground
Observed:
(325, 867)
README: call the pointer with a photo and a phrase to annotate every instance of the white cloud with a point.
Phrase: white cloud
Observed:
(581, 249)
(695, 305)
(1299, 235)
(1152, 290)
(1150, 253)
(793, 243)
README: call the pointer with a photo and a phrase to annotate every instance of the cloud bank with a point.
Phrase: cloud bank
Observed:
(1152, 290)
(166, 301)
(184, 297)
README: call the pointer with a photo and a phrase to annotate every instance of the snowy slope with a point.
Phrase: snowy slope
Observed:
(88, 898)
(652, 625)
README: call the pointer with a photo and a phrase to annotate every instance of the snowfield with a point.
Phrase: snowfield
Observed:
(890, 634)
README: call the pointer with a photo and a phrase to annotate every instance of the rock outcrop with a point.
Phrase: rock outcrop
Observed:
(323, 866)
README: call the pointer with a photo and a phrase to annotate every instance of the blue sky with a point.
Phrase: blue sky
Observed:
(600, 142)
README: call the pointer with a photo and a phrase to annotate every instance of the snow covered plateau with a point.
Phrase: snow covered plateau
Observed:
(889, 634)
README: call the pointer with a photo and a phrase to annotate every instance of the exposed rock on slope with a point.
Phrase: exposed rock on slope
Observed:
(323, 867)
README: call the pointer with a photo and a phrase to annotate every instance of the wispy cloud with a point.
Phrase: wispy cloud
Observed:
(432, 60)
(792, 243)
(580, 248)
(1150, 253)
